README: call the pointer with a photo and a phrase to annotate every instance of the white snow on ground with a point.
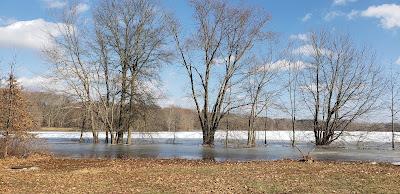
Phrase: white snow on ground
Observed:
(305, 136)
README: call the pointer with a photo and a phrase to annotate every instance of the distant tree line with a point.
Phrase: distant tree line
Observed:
(50, 110)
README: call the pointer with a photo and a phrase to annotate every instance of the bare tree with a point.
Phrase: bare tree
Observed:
(292, 89)
(259, 93)
(105, 86)
(176, 122)
(224, 36)
(340, 84)
(135, 33)
(72, 64)
(172, 120)
(290, 65)
(170, 116)
(394, 92)
(110, 62)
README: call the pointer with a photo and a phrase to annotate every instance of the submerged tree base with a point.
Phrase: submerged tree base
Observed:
(57, 175)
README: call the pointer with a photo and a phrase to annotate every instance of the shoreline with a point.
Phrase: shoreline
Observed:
(306, 136)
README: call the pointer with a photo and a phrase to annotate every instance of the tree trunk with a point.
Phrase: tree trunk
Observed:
(323, 138)
(129, 138)
(393, 146)
(120, 137)
(227, 132)
(293, 131)
(49, 122)
(208, 137)
(173, 141)
(93, 126)
(82, 128)
(112, 137)
(81, 137)
(5, 153)
(294, 121)
(265, 126)
(95, 137)
(106, 140)
(251, 136)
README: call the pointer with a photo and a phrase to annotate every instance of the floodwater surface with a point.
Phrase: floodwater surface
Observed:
(67, 145)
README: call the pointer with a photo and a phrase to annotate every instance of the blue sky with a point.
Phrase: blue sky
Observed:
(375, 23)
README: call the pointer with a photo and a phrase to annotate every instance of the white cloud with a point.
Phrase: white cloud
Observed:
(302, 37)
(222, 61)
(38, 83)
(59, 4)
(6, 21)
(55, 4)
(398, 61)
(332, 15)
(81, 7)
(308, 50)
(28, 34)
(342, 2)
(352, 14)
(183, 102)
(306, 17)
(283, 65)
(311, 87)
(389, 15)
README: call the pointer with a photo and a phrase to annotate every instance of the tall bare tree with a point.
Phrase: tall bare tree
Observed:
(72, 64)
(340, 85)
(110, 62)
(224, 36)
(394, 94)
(105, 86)
(135, 33)
(259, 93)
(291, 66)
(293, 72)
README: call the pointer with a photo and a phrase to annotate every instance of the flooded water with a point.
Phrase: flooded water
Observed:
(164, 147)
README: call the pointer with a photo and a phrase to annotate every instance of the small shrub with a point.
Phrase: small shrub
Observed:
(21, 146)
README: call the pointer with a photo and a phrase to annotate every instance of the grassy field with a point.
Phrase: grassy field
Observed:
(57, 175)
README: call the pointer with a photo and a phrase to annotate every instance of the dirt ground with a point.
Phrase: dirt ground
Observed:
(57, 175)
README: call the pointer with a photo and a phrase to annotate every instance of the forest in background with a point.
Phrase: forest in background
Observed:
(51, 110)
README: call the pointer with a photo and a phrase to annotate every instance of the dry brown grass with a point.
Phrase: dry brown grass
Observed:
(181, 176)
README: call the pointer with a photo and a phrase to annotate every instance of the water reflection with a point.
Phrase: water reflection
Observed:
(192, 149)
(208, 154)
